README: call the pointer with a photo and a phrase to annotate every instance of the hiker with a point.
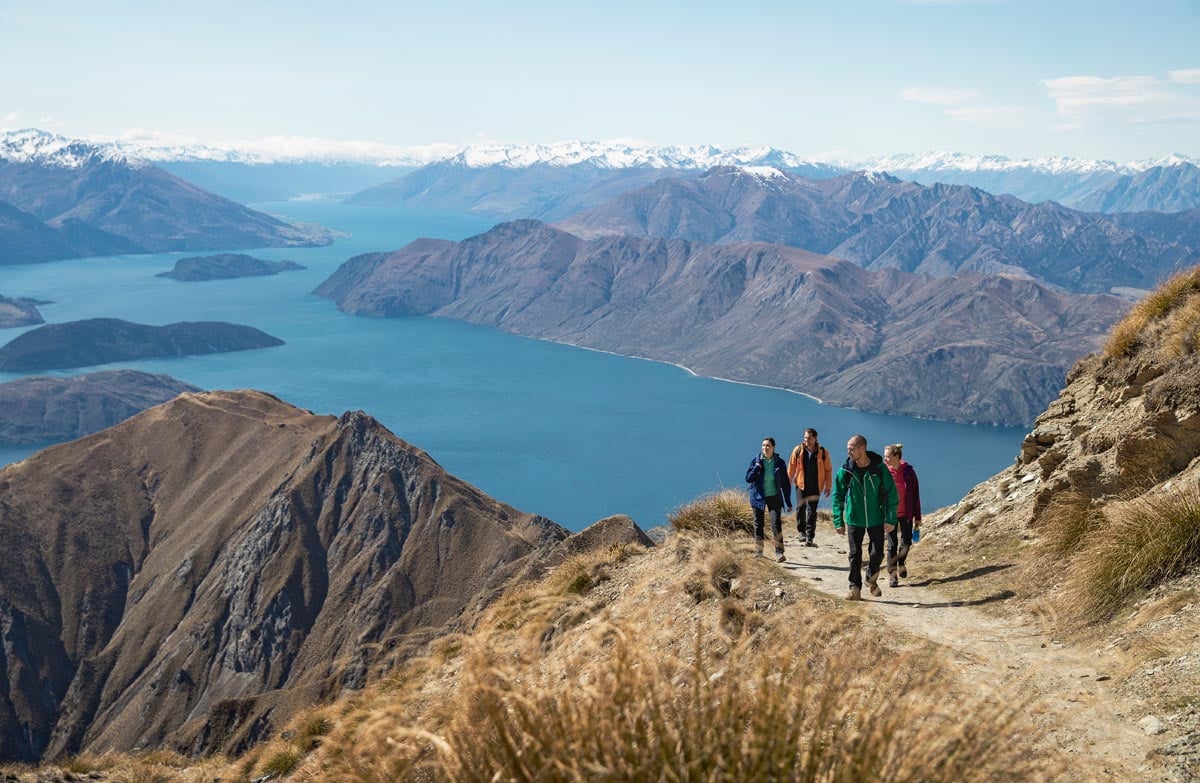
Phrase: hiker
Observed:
(864, 500)
(908, 511)
(811, 471)
(770, 490)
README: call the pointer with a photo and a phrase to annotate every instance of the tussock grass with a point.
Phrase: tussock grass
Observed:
(1128, 334)
(753, 686)
(280, 762)
(1067, 521)
(847, 712)
(579, 573)
(720, 513)
(1142, 543)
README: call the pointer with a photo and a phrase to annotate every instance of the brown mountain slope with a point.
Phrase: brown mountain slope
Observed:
(879, 222)
(192, 576)
(966, 348)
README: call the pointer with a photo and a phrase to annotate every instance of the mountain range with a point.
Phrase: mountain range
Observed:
(195, 575)
(61, 198)
(994, 348)
(880, 222)
(550, 182)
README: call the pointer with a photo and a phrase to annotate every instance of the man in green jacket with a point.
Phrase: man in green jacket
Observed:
(864, 500)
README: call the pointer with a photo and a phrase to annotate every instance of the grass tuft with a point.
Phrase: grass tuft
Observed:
(281, 763)
(719, 513)
(1128, 334)
(1142, 543)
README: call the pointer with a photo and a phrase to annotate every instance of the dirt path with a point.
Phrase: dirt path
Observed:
(1075, 698)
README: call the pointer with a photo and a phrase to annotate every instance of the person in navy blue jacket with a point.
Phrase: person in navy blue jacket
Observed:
(770, 491)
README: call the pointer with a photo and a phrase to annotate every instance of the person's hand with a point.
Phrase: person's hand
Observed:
(888, 528)
(917, 523)
(789, 508)
(826, 493)
(841, 531)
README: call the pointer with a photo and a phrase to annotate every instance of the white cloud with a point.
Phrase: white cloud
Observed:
(1095, 99)
(941, 95)
(1006, 116)
(1185, 76)
(10, 119)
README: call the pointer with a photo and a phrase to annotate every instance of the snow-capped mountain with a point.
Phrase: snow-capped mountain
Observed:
(69, 198)
(285, 149)
(615, 155)
(49, 149)
(957, 161)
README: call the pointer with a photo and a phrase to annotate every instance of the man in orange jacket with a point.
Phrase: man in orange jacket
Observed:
(811, 471)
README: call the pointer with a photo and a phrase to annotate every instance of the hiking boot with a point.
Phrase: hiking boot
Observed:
(873, 581)
(855, 593)
(810, 542)
(893, 582)
(779, 558)
(904, 571)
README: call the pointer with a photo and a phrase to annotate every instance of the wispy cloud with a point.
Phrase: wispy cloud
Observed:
(1089, 100)
(1185, 76)
(1005, 116)
(10, 119)
(966, 104)
(940, 95)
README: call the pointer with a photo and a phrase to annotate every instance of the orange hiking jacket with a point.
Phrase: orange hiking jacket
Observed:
(824, 472)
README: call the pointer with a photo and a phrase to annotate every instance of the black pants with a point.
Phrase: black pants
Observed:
(806, 517)
(854, 538)
(897, 558)
(774, 504)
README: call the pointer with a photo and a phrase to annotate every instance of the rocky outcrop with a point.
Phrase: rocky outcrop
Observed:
(226, 266)
(968, 348)
(103, 340)
(193, 576)
(879, 222)
(51, 410)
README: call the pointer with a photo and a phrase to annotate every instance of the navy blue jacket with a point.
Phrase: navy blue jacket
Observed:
(754, 477)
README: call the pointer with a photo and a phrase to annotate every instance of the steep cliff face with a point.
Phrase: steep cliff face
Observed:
(191, 577)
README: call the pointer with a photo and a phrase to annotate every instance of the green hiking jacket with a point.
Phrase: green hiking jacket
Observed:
(865, 500)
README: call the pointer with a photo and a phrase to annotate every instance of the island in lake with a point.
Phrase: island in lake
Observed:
(226, 266)
(41, 409)
(104, 340)
(19, 312)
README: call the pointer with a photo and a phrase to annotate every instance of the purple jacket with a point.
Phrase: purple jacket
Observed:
(912, 491)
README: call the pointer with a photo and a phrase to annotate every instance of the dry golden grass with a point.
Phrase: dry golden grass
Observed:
(1128, 334)
(720, 513)
(1140, 544)
(748, 686)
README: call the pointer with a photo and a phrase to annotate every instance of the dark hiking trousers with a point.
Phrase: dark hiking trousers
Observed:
(806, 517)
(854, 540)
(897, 557)
(774, 504)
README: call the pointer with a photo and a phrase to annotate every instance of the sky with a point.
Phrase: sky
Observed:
(1092, 79)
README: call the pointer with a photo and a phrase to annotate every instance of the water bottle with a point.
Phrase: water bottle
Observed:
(916, 535)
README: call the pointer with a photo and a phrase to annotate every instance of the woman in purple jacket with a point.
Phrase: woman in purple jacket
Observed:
(908, 512)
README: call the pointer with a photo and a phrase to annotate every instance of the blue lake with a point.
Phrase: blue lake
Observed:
(573, 434)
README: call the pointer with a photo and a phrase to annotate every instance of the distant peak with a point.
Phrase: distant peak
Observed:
(33, 145)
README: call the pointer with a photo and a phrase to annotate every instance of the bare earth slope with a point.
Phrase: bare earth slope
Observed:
(192, 576)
